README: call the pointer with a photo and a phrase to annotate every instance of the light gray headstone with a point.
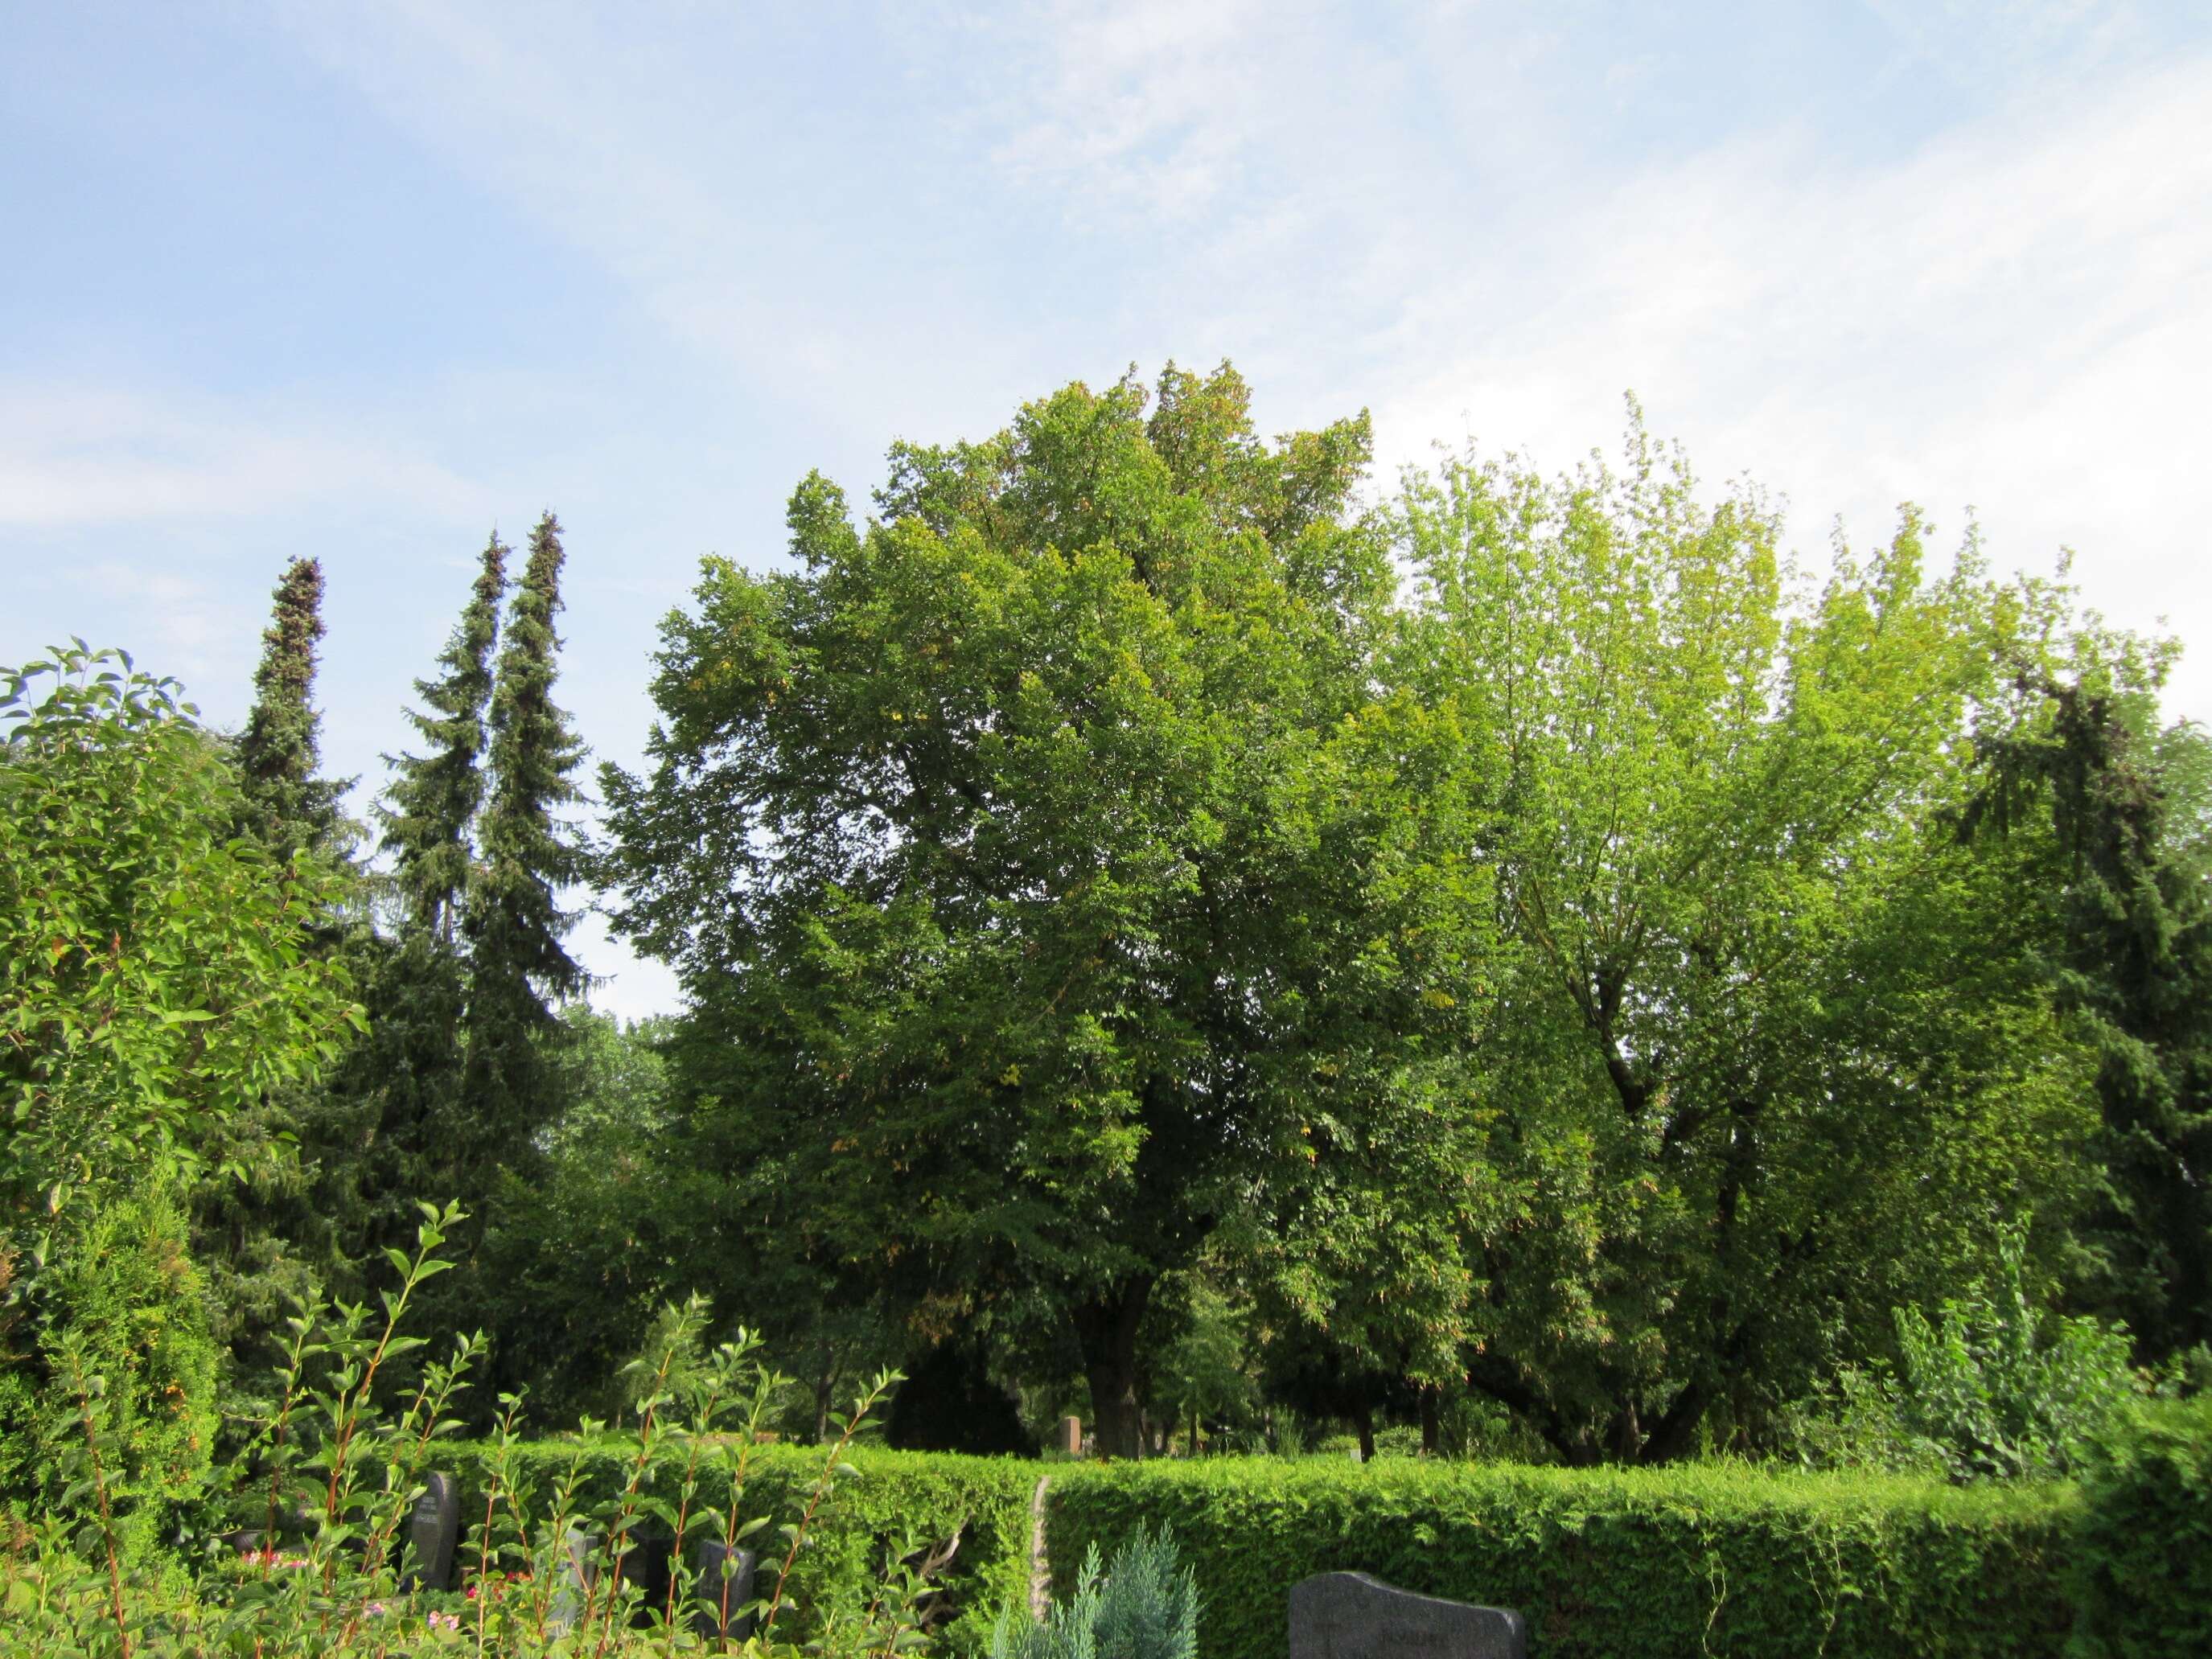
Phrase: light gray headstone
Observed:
(1351, 1616)
(579, 1547)
(432, 1527)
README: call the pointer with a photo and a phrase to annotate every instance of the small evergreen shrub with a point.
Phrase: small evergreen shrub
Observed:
(1144, 1606)
(2144, 1562)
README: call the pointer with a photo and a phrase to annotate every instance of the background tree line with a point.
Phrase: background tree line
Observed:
(1167, 937)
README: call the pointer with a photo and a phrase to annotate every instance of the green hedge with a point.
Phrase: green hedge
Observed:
(2143, 1576)
(899, 1495)
(1695, 1559)
(1690, 1560)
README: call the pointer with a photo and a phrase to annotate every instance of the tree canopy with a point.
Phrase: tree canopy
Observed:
(1060, 875)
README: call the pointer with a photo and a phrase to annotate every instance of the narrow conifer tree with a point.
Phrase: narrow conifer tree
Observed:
(255, 1224)
(513, 920)
(2137, 969)
(398, 1127)
(289, 807)
(435, 798)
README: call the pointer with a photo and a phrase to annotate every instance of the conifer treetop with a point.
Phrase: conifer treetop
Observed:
(436, 797)
(288, 806)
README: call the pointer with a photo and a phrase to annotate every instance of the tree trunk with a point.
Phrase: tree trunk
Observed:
(1431, 1428)
(1365, 1424)
(1106, 1329)
(825, 1391)
(1675, 1435)
(1627, 1433)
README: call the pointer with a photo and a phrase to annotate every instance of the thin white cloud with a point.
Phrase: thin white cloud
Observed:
(74, 456)
(627, 145)
(1150, 106)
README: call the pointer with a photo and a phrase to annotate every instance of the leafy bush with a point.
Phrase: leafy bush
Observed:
(1688, 1560)
(1991, 1388)
(1145, 1606)
(155, 981)
(547, 1567)
(127, 1338)
(901, 1504)
(2144, 1565)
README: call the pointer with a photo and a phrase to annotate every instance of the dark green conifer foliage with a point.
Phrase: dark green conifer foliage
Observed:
(393, 1129)
(289, 807)
(434, 800)
(512, 917)
(256, 1225)
(2137, 962)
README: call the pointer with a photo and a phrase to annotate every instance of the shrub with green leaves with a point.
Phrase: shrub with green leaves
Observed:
(896, 1505)
(155, 981)
(2143, 1572)
(127, 1337)
(1993, 1386)
(546, 1566)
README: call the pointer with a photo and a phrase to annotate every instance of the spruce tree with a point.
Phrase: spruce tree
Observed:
(2137, 965)
(399, 1118)
(434, 800)
(256, 1226)
(513, 921)
(288, 806)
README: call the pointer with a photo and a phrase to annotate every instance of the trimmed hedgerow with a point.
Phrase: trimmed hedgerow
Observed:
(2143, 1572)
(1689, 1560)
(898, 1501)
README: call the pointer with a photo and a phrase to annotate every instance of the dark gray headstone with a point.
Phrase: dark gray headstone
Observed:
(432, 1529)
(1350, 1616)
(724, 1597)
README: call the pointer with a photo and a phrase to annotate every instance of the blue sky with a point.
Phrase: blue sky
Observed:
(362, 281)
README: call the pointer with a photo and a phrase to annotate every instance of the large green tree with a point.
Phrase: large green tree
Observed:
(1055, 876)
(431, 807)
(256, 1225)
(389, 1134)
(1773, 1054)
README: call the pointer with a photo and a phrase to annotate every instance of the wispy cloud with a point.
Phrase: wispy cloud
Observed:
(73, 455)
(2018, 317)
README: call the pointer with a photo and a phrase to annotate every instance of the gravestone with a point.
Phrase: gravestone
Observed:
(1351, 1616)
(1071, 1436)
(575, 1582)
(646, 1563)
(643, 1567)
(432, 1527)
(721, 1615)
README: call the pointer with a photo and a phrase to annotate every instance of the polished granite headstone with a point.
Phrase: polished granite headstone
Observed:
(432, 1527)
